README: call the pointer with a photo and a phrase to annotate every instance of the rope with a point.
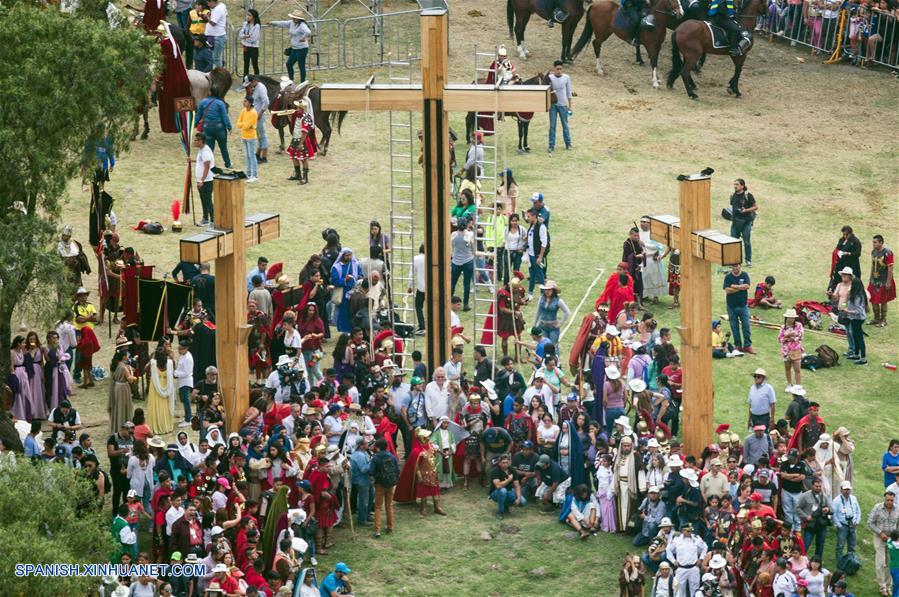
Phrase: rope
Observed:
(581, 304)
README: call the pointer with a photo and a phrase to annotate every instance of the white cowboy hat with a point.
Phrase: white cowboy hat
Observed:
(797, 390)
(490, 386)
(284, 359)
(653, 443)
(623, 421)
(636, 385)
(790, 313)
(612, 372)
(717, 562)
(387, 364)
(611, 330)
(285, 82)
(296, 15)
(675, 461)
(502, 51)
(847, 270)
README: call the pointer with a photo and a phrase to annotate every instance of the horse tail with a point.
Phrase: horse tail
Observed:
(586, 34)
(510, 18)
(677, 63)
(339, 116)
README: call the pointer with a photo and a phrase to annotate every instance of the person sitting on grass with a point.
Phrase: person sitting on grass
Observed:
(554, 484)
(506, 489)
(581, 511)
(764, 295)
(722, 347)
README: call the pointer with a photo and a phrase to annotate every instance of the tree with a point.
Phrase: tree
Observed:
(66, 81)
(42, 524)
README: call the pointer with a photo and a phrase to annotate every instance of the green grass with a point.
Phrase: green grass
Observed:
(817, 146)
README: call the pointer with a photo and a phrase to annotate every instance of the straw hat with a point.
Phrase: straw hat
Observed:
(550, 285)
(791, 313)
(848, 271)
(296, 15)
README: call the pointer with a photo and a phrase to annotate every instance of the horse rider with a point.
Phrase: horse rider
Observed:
(502, 67)
(556, 13)
(722, 13)
(694, 9)
(634, 10)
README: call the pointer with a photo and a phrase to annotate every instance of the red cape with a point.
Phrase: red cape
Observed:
(800, 427)
(154, 11)
(611, 285)
(405, 487)
(173, 83)
(385, 429)
(581, 343)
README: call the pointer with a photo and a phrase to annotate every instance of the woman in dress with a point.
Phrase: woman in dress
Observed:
(790, 337)
(34, 367)
(120, 405)
(345, 273)
(57, 377)
(303, 145)
(312, 331)
(507, 191)
(604, 493)
(140, 473)
(22, 408)
(161, 395)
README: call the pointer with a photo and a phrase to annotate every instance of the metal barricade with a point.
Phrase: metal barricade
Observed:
(324, 48)
(370, 40)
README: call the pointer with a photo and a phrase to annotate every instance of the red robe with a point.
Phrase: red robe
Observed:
(620, 296)
(611, 285)
(385, 429)
(800, 428)
(405, 487)
(154, 11)
(325, 508)
(173, 83)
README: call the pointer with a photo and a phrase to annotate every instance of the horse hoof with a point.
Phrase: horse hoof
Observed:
(693, 96)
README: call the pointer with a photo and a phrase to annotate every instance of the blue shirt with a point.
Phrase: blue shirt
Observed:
(32, 448)
(736, 299)
(360, 467)
(541, 347)
(214, 114)
(330, 584)
(888, 460)
(508, 403)
(254, 272)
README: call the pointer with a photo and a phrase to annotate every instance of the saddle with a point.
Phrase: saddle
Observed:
(719, 35)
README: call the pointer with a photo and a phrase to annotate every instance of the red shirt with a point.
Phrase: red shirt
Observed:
(762, 511)
(228, 585)
(675, 378)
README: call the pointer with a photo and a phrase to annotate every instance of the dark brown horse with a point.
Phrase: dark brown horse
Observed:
(523, 118)
(600, 25)
(692, 38)
(283, 100)
(518, 13)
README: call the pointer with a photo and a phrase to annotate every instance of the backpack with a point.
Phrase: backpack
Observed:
(850, 564)
(387, 471)
(811, 362)
(828, 356)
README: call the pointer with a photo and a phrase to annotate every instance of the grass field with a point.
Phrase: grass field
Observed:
(817, 145)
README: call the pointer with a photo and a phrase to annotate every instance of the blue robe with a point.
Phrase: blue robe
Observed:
(576, 469)
(339, 273)
(598, 374)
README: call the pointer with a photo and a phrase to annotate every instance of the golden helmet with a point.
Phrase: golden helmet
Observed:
(723, 439)
(642, 427)
(320, 449)
(734, 438)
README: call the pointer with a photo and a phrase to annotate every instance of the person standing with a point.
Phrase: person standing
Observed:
(686, 552)
(260, 104)
(216, 125)
(881, 284)
(561, 106)
(790, 337)
(813, 509)
(246, 122)
(743, 206)
(216, 26)
(846, 254)
(846, 517)
(632, 255)
(360, 477)
(736, 287)
(118, 448)
(385, 470)
(537, 249)
(300, 34)
(417, 282)
(883, 519)
(303, 144)
(762, 400)
(249, 40)
(184, 373)
(890, 463)
(857, 312)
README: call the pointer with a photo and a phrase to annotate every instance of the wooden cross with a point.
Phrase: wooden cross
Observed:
(699, 247)
(229, 254)
(435, 98)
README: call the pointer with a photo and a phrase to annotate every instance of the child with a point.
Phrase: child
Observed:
(764, 295)
(893, 553)
(202, 54)
(721, 344)
(710, 518)
(142, 431)
(674, 278)
(135, 511)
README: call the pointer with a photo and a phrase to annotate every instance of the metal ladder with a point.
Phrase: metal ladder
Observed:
(485, 217)
(403, 239)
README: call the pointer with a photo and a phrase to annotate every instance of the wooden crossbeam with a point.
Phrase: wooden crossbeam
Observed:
(708, 245)
(215, 243)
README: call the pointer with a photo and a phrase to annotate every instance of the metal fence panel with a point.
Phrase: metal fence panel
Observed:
(375, 40)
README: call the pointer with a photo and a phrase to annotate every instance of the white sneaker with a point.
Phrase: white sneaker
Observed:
(729, 355)
(252, 179)
(735, 353)
(313, 561)
(529, 298)
(184, 424)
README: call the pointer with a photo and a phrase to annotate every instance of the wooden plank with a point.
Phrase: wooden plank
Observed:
(696, 313)
(377, 98)
(434, 52)
(665, 229)
(717, 247)
(486, 98)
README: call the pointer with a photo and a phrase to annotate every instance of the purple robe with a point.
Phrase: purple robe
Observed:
(21, 407)
(57, 377)
(38, 400)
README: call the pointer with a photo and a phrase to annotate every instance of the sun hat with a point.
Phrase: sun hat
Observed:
(612, 372)
(220, 568)
(637, 385)
(797, 390)
(761, 372)
(791, 313)
(666, 522)
(848, 271)
(611, 330)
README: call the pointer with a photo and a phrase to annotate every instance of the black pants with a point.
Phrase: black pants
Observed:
(420, 308)
(250, 55)
(730, 26)
(206, 199)
(120, 488)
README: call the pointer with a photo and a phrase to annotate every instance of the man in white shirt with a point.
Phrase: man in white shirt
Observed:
(203, 175)
(273, 384)
(784, 580)
(418, 278)
(437, 397)
(216, 25)
(184, 373)
(175, 511)
(453, 367)
(541, 389)
(290, 422)
(685, 553)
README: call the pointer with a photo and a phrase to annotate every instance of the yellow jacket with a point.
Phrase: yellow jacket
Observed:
(246, 122)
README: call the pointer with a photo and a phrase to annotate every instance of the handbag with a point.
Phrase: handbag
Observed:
(337, 297)
(795, 355)
(843, 317)
(727, 213)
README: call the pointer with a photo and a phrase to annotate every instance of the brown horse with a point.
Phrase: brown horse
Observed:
(692, 39)
(523, 118)
(518, 13)
(283, 100)
(600, 25)
(216, 82)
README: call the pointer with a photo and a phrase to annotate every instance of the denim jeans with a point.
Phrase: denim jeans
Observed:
(183, 19)
(184, 394)
(764, 419)
(315, 373)
(788, 502)
(260, 131)
(536, 273)
(218, 50)
(818, 535)
(562, 112)
(466, 270)
(552, 334)
(218, 135)
(739, 326)
(364, 494)
(858, 337)
(612, 413)
(249, 149)
(504, 499)
(846, 537)
(646, 535)
(743, 229)
(297, 56)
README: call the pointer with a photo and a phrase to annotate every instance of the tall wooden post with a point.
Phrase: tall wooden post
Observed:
(230, 302)
(696, 315)
(434, 48)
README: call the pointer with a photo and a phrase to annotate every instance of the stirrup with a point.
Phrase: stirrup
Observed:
(560, 15)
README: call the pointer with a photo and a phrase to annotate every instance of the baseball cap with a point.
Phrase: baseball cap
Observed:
(543, 460)
(756, 497)
(654, 489)
(536, 196)
(539, 375)
(216, 530)
(343, 568)
(845, 485)
(527, 444)
(176, 555)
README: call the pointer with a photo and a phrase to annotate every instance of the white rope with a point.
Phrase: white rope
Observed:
(580, 304)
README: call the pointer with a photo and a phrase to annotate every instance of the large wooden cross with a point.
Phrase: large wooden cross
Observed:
(699, 247)
(434, 98)
(223, 245)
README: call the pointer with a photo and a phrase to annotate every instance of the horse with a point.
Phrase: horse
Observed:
(280, 99)
(692, 38)
(600, 24)
(518, 12)
(523, 118)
